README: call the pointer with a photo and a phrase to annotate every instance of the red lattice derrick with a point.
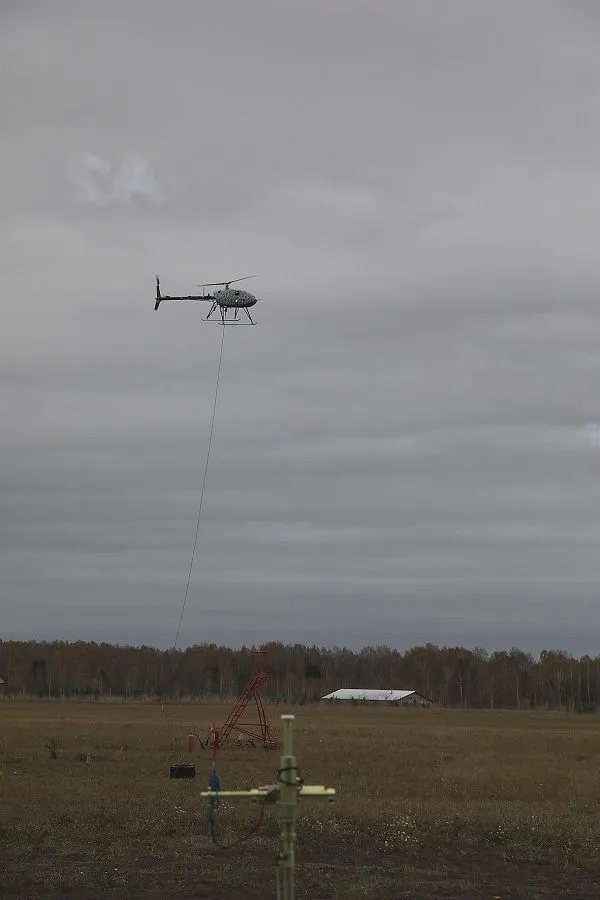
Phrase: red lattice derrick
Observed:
(261, 730)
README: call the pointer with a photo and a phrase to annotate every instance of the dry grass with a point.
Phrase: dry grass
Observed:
(430, 804)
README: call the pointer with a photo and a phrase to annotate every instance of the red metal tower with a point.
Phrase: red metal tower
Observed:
(259, 731)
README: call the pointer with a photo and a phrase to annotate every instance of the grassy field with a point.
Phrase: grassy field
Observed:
(431, 804)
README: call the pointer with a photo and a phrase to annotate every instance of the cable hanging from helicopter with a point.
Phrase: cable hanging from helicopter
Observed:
(224, 300)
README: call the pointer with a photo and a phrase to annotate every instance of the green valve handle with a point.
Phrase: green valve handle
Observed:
(270, 793)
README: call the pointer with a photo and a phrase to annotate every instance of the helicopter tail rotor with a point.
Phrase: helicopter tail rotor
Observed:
(158, 295)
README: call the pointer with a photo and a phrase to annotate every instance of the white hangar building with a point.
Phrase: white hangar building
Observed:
(404, 698)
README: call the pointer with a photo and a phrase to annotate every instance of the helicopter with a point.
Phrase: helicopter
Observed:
(225, 299)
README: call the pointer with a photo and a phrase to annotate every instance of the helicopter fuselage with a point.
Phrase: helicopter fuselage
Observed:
(231, 298)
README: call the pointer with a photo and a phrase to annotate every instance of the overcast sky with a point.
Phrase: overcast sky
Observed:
(404, 445)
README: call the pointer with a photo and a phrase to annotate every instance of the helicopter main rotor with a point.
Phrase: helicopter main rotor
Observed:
(225, 283)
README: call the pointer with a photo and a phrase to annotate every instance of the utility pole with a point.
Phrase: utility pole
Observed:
(288, 793)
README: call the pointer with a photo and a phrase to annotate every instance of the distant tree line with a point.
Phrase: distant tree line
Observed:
(450, 676)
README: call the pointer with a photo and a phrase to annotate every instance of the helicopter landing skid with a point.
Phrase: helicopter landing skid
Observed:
(230, 322)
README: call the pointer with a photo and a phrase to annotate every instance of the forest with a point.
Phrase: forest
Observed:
(298, 674)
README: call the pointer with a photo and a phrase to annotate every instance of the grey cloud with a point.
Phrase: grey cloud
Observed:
(404, 445)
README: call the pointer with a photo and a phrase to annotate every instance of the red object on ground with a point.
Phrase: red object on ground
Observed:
(191, 742)
(259, 731)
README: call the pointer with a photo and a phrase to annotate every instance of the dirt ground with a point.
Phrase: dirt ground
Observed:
(430, 804)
